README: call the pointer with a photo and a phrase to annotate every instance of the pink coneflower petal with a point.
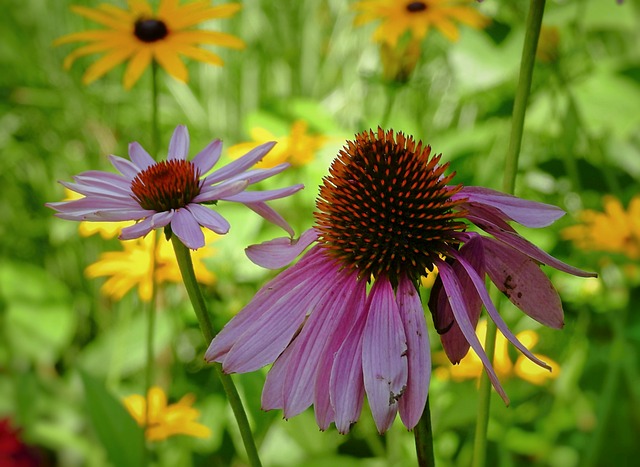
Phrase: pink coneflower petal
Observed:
(308, 347)
(525, 212)
(350, 311)
(88, 205)
(521, 280)
(220, 191)
(185, 226)
(209, 218)
(99, 191)
(125, 167)
(208, 157)
(273, 390)
(459, 309)
(139, 156)
(106, 179)
(495, 316)
(257, 175)
(346, 385)
(179, 143)
(239, 165)
(384, 355)
(271, 215)
(145, 226)
(279, 252)
(263, 195)
(414, 398)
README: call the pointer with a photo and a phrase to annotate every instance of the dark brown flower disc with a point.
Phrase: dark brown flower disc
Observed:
(167, 185)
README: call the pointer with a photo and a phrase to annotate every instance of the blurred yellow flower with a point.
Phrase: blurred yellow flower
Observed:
(614, 230)
(400, 16)
(470, 367)
(165, 420)
(132, 267)
(140, 36)
(298, 147)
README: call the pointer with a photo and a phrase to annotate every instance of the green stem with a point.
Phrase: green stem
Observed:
(151, 319)
(533, 25)
(155, 96)
(424, 439)
(197, 300)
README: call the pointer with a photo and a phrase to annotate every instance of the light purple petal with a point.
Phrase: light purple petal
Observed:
(478, 284)
(142, 228)
(187, 229)
(516, 241)
(309, 346)
(272, 293)
(125, 167)
(209, 218)
(525, 212)
(104, 179)
(459, 308)
(279, 252)
(521, 280)
(384, 355)
(105, 215)
(257, 175)
(412, 402)
(346, 386)
(270, 215)
(220, 191)
(139, 156)
(352, 310)
(90, 204)
(208, 157)
(98, 192)
(179, 144)
(239, 165)
(264, 195)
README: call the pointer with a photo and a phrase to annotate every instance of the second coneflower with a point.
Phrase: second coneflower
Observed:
(141, 36)
(386, 215)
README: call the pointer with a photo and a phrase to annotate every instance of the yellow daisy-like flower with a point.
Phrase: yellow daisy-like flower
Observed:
(165, 420)
(133, 266)
(614, 230)
(470, 367)
(400, 16)
(140, 36)
(298, 147)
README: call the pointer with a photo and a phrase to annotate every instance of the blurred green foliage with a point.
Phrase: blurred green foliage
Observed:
(305, 60)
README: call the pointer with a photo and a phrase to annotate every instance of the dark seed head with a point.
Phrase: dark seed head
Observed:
(150, 30)
(385, 207)
(167, 185)
(415, 7)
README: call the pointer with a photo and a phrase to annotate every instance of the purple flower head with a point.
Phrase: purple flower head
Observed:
(171, 193)
(385, 215)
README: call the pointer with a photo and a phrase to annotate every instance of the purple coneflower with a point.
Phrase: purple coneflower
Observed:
(171, 193)
(385, 215)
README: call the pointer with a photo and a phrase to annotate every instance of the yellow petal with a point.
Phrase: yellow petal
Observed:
(201, 55)
(136, 405)
(138, 63)
(168, 59)
(102, 18)
(106, 63)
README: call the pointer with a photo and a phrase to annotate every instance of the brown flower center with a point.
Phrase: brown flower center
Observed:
(385, 208)
(167, 185)
(415, 7)
(150, 30)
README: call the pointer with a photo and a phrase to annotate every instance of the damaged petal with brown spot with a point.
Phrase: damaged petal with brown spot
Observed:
(385, 209)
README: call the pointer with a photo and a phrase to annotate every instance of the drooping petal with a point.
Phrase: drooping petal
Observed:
(263, 195)
(346, 385)
(459, 308)
(145, 226)
(352, 311)
(274, 291)
(179, 143)
(521, 280)
(279, 252)
(139, 156)
(270, 215)
(308, 347)
(273, 390)
(384, 358)
(239, 165)
(478, 284)
(208, 157)
(412, 402)
(185, 226)
(525, 212)
(209, 218)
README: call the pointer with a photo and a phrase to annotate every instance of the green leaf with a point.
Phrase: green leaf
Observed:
(120, 435)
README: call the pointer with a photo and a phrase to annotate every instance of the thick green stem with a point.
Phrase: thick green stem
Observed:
(197, 300)
(155, 96)
(424, 439)
(151, 319)
(533, 25)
